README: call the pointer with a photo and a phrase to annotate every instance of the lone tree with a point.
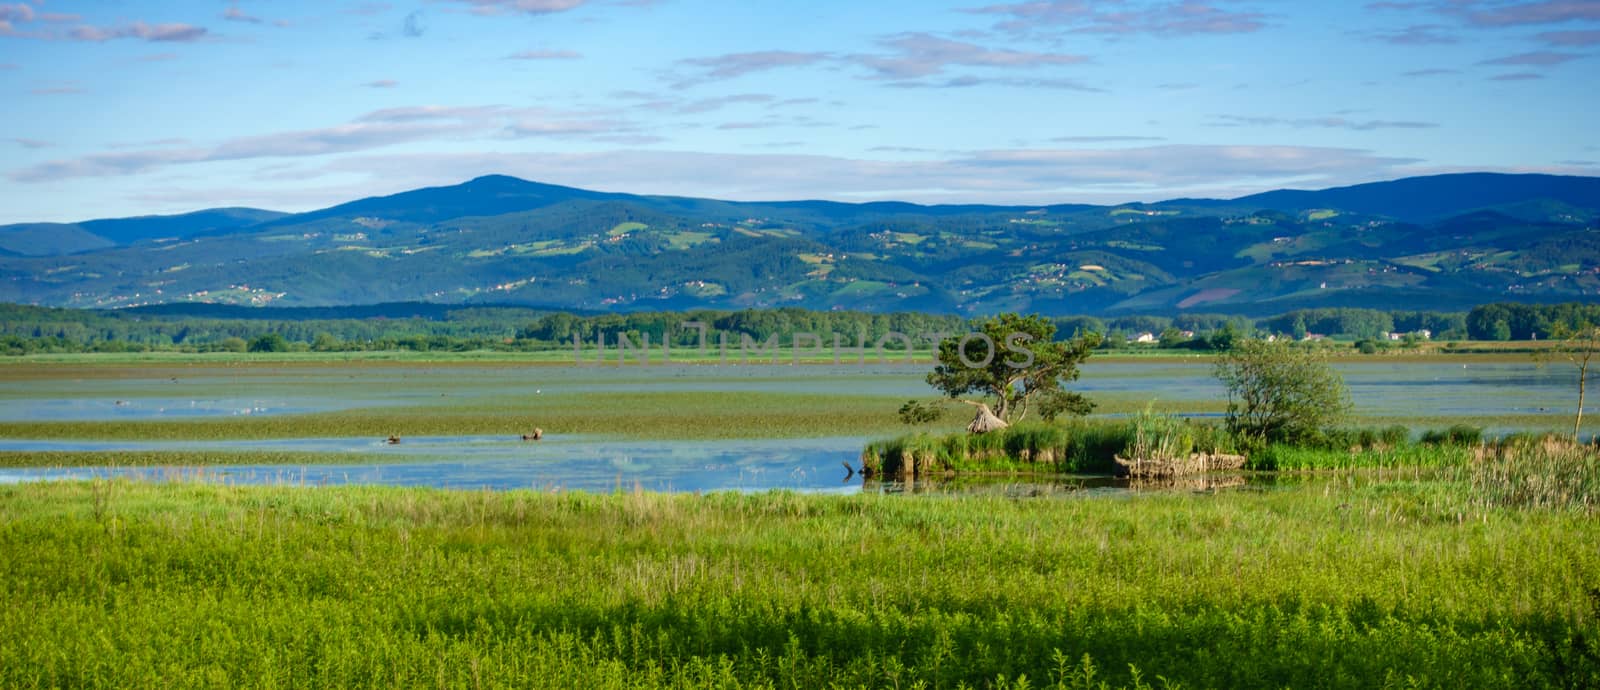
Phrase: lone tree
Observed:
(1577, 345)
(1013, 362)
(1280, 393)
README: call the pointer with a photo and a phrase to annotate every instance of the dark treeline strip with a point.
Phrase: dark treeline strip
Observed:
(421, 327)
(1529, 321)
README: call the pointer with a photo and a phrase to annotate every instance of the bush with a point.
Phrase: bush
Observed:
(1277, 393)
(269, 342)
(1456, 435)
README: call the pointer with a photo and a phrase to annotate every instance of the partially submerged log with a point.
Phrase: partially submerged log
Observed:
(1163, 468)
(1204, 482)
(535, 436)
(394, 439)
(985, 420)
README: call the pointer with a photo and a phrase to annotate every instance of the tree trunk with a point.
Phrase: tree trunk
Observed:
(1583, 381)
(984, 420)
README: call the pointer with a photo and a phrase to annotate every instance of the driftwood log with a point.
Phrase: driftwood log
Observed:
(1163, 468)
(535, 436)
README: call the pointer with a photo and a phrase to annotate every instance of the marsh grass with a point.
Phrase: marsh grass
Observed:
(674, 415)
(175, 458)
(1362, 581)
(1549, 472)
(1079, 446)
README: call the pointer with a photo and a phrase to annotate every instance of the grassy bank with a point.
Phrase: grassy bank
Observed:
(173, 458)
(1363, 581)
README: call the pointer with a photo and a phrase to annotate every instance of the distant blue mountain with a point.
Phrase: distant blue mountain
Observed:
(1444, 241)
(1436, 197)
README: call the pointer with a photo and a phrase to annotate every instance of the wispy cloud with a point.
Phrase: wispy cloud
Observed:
(1534, 58)
(1517, 76)
(706, 105)
(1103, 139)
(918, 54)
(57, 90)
(545, 55)
(1416, 35)
(735, 65)
(997, 176)
(493, 7)
(13, 15)
(1317, 122)
(968, 81)
(30, 143)
(1433, 72)
(382, 84)
(160, 33)
(1482, 13)
(1570, 38)
(1501, 13)
(376, 129)
(234, 14)
(1185, 18)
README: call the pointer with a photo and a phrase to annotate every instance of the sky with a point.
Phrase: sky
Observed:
(116, 108)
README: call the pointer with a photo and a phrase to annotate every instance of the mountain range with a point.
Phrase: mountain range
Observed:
(1440, 242)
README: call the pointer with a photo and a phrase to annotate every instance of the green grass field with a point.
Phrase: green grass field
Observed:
(1368, 580)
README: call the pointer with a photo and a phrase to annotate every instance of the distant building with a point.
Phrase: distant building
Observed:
(1145, 337)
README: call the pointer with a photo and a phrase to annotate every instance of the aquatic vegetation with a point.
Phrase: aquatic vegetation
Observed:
(1078, 446)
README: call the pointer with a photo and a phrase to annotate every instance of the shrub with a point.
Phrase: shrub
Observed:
(1279, 393)
(1456, 435)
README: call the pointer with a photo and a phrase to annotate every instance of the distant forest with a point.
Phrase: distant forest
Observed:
(431, 327)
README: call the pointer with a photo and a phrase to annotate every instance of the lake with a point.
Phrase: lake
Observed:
(1501, 395)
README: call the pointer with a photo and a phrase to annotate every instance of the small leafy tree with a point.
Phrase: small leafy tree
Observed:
(1280, 393)
(325, 342)
(1014, 362)
(269, 342)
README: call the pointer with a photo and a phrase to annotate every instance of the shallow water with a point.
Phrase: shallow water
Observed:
(498, 463)
(576, 463)
(1379, 389)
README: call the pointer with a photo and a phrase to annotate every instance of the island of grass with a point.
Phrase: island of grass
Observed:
(1284, 405)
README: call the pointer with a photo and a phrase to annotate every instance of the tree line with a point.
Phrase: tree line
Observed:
(28, 329)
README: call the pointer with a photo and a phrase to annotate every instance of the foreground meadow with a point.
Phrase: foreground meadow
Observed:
(1368, 580)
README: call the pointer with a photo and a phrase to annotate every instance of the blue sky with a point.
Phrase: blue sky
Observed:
(119, 108)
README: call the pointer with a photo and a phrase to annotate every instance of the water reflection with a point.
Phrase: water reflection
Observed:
(1031, 486)
(574, 463)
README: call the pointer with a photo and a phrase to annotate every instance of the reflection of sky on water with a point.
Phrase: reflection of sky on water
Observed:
(573, 463)
(68, 409)
(494, 462)
(1383, 388)
(1379, 389)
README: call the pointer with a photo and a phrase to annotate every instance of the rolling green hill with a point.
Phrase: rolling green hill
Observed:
(1438, 242)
